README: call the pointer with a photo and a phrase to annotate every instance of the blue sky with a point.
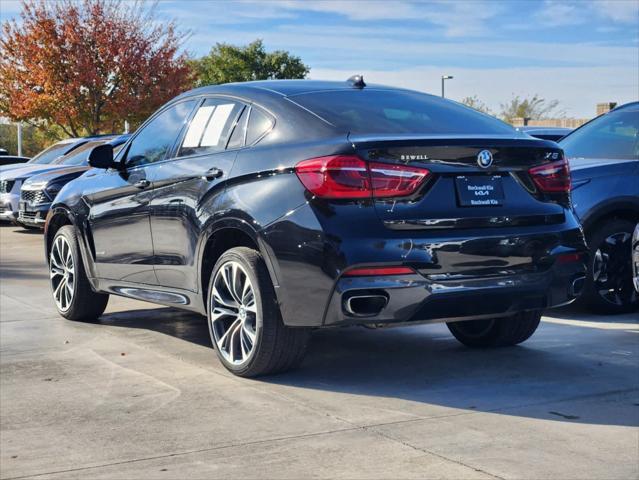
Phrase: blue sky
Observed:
(579, 52)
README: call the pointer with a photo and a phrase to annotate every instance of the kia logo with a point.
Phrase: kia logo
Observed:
(484, 159)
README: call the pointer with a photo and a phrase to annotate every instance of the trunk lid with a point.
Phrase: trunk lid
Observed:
(474, 182)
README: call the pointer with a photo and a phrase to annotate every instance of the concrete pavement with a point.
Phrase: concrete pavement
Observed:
(142, 395)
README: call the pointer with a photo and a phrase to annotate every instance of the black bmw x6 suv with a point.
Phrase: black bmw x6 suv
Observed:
(278, 207)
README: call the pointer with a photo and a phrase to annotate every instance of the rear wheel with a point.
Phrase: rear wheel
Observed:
(496, 332)
(73, 296)
(609, 287)
(244, 319)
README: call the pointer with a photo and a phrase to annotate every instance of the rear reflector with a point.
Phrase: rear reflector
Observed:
(553, 177)
(350, 177)
(378, 271)
(569, 257)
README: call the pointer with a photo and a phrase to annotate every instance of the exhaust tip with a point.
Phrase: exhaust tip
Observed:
(577, 286)
(365, 305)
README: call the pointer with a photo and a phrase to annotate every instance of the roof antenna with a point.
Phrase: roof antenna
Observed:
(357, 81)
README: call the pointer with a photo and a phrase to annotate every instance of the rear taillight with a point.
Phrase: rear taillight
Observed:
(350, 177)
(553, 177)
(335, 177)
(393, 180)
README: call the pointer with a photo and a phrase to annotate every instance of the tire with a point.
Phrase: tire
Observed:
(76, 300)
(257, 341)
(496, 332)
(608, 288)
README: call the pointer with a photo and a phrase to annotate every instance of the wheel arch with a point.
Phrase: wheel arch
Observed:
(626, 208)
(222, 236)
(58, 217)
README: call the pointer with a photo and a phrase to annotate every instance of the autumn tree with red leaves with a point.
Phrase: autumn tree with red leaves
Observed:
(88, 66)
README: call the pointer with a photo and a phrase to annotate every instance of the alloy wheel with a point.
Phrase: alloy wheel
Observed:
(62, 273)
(611, 270)
(234, 316)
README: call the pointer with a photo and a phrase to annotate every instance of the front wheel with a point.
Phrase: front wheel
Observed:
(496, 332)
(244, 318)
(73, 296)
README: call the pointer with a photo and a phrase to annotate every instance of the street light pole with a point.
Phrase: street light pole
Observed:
(19, 139)
(444, 78)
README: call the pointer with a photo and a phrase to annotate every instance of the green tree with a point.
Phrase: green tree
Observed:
(231, 63)
(34, 138)
(477, 104)
(534, 108)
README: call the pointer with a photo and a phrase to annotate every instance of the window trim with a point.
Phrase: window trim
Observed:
(266, 132)
(200, 99)
(246, 108)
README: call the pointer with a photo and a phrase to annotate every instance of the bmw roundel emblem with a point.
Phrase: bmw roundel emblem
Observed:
(485, 159)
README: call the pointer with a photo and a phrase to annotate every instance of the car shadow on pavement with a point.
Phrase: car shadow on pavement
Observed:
(426, 365)
(22, 270)
(169, 321)
(10, 227)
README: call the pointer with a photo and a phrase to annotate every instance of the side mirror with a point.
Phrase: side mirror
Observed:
(102, 157)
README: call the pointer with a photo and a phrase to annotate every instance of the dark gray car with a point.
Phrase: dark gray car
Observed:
(38, 191)
(604, 160)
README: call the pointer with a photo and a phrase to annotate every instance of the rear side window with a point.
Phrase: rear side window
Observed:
(210, 127)
(614, 136)
(398, 112)
(259, 123)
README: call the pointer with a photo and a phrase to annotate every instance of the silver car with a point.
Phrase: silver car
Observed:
(12, 176)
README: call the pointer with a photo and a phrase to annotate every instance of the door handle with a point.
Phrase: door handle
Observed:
(213, 173)
(142, 183)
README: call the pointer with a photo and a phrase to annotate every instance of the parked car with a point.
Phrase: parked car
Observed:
(12, 160)
(12, 176)
(46, 156)
(547, 133)
(275, 207)
(604, 159)
(635, 258)
(39, 191)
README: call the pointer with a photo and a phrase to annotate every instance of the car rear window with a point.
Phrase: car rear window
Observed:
(398, 112)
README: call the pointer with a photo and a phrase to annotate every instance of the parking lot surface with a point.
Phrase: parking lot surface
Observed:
(141, 394)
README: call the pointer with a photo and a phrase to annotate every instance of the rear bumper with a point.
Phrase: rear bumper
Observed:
(415, 298)
(460, 273)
